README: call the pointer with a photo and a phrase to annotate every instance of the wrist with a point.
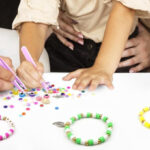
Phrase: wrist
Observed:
(103, 68)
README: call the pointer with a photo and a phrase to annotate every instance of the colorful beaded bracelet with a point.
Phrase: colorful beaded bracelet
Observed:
(89, 142)
(142, 119)
(11, 130)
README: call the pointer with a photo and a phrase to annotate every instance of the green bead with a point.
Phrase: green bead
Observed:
(73, 119)
(102, 139)
(98, 116)
(108, 132)
(69, 135)
(105, 118)
(110, 124)
(89, 115)
(79, 116)
(90, 142)
(78, 140)
(67, 127)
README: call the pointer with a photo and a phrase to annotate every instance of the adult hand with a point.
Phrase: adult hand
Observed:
(31, 76)
(66, 31)
(139, 48)
(6, 77)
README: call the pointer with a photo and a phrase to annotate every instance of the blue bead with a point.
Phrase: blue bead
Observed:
(22, 95)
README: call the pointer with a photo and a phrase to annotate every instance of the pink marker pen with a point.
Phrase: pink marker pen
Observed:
(30, 59)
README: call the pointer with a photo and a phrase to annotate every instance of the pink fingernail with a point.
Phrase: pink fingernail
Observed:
(71, 47)
(81, 42)
(131, 71)
(80, 36)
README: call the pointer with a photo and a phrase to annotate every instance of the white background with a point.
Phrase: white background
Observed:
(122, 105)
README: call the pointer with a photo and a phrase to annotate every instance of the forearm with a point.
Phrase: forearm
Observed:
(116, 34)
(33, 36)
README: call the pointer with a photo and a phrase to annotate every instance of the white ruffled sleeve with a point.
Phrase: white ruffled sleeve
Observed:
(142, 7)
(38, 11)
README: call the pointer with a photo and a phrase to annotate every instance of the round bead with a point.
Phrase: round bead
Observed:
(10, 132)
(142, 119)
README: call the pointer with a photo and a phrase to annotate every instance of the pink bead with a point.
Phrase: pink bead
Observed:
(11, 130)
(39, 98)
(7, 135)
(1, 138)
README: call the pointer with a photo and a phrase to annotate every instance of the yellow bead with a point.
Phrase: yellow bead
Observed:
(69, 94)
(146, 109)
(146, 124)
(141, 113)
(35, 92)
(142, 119)
(25, 100)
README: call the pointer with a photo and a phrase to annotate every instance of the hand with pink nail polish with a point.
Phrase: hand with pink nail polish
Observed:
(66, 31)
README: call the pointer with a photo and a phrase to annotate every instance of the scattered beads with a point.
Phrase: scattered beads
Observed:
(11, 130)
(142, 119)
(89, 142)
(41, 105)
(56, 107)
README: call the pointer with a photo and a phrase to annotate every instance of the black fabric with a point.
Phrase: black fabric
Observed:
(8, 11)
(62, 59)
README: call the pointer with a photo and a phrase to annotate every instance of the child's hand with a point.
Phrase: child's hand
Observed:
(31, 76)
(91, 77)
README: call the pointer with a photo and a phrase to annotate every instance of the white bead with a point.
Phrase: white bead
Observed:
(72, 136)
(106, 136)
(67, 130)
(109, 129)
(95, 142)
(82, 142)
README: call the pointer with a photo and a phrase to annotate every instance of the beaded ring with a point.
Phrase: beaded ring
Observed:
(88, 142)
(142, 119)
(11, 130)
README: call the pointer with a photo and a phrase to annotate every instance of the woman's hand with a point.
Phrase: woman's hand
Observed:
(92, 77)
(6, 77)
(66, 31)
(139, 48)
(31, 76)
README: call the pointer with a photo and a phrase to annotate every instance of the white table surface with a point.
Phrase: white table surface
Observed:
(122, 105)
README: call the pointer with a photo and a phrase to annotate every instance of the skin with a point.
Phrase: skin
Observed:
(6, 77)
(137, 47)
(102, 70)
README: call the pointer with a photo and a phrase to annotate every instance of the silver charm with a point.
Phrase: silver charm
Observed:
(59, 124)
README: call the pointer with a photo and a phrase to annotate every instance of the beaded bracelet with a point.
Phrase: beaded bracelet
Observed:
(89, 142)
(142, 119)
(11, 130)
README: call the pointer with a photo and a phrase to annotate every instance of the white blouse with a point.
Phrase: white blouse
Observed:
(91, 15)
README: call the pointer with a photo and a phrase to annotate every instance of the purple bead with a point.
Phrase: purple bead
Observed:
(5, 106)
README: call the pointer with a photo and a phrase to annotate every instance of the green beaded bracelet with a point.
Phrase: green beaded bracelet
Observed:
(89, 142)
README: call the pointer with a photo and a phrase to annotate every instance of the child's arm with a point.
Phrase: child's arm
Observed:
(32, 36)
(117, 31)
